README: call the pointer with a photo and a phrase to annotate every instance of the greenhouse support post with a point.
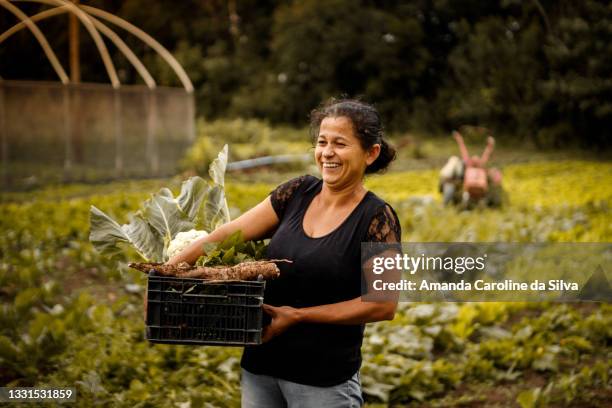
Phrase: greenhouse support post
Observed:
(3, 138)
(151, 132)
(117, 121)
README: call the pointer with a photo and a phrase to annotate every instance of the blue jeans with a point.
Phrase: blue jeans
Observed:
(262, 391)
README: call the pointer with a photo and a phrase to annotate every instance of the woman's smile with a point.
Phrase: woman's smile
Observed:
(338, 153)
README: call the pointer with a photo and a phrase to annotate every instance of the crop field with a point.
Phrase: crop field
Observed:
(70, 317)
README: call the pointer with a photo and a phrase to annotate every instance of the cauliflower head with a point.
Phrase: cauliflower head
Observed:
(182, 240)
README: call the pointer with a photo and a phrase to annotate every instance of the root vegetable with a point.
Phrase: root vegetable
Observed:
(160, 268)
(241, 271)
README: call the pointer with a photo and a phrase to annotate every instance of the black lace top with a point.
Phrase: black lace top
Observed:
(384, 226)
(324, 270)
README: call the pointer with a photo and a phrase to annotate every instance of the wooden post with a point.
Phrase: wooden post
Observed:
(118, 133)
(73, 34)
(3, 139)
(66, 95)
(191, 133)
(76, 127)
(152, 150)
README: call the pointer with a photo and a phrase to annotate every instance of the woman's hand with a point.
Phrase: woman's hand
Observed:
(283, 317)
(490, 141)
(257, 223)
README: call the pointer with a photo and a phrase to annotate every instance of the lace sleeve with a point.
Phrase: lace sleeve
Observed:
(282, 194)
(385, 226)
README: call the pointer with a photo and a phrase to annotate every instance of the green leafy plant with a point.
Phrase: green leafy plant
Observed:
(199, 205)
(67, 318)
(233, 250)
(249, 138)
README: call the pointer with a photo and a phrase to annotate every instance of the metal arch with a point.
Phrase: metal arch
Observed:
(146, 38)
(42, 40)
(95, 35)
(121, 45)
(132, 29)
(37, 17)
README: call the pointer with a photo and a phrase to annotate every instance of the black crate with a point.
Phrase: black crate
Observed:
(195, 311)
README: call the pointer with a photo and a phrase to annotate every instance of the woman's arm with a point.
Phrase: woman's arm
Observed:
(257, 223)
(464, 153)
(349, 312)
(487, 151)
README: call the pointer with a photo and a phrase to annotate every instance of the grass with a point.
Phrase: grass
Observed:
(72, 318)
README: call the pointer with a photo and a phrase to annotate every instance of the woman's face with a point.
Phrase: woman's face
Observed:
(338, 153)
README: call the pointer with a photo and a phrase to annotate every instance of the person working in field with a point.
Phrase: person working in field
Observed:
(310, 356)
(476, 176)
(475, 162)
(478, 182)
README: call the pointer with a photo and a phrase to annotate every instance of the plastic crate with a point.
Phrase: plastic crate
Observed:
(196, 311)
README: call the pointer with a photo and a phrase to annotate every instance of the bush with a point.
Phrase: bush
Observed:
(247, 139)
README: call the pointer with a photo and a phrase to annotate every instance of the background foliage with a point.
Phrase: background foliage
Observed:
(536, 70)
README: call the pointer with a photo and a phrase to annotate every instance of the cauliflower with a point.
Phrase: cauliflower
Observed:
(182, 240)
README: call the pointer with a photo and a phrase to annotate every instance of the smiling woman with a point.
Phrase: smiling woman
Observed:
(339, 153)
(311, 352)
(354, 118)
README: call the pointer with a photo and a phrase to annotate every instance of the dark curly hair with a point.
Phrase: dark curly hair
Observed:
(366, 123)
